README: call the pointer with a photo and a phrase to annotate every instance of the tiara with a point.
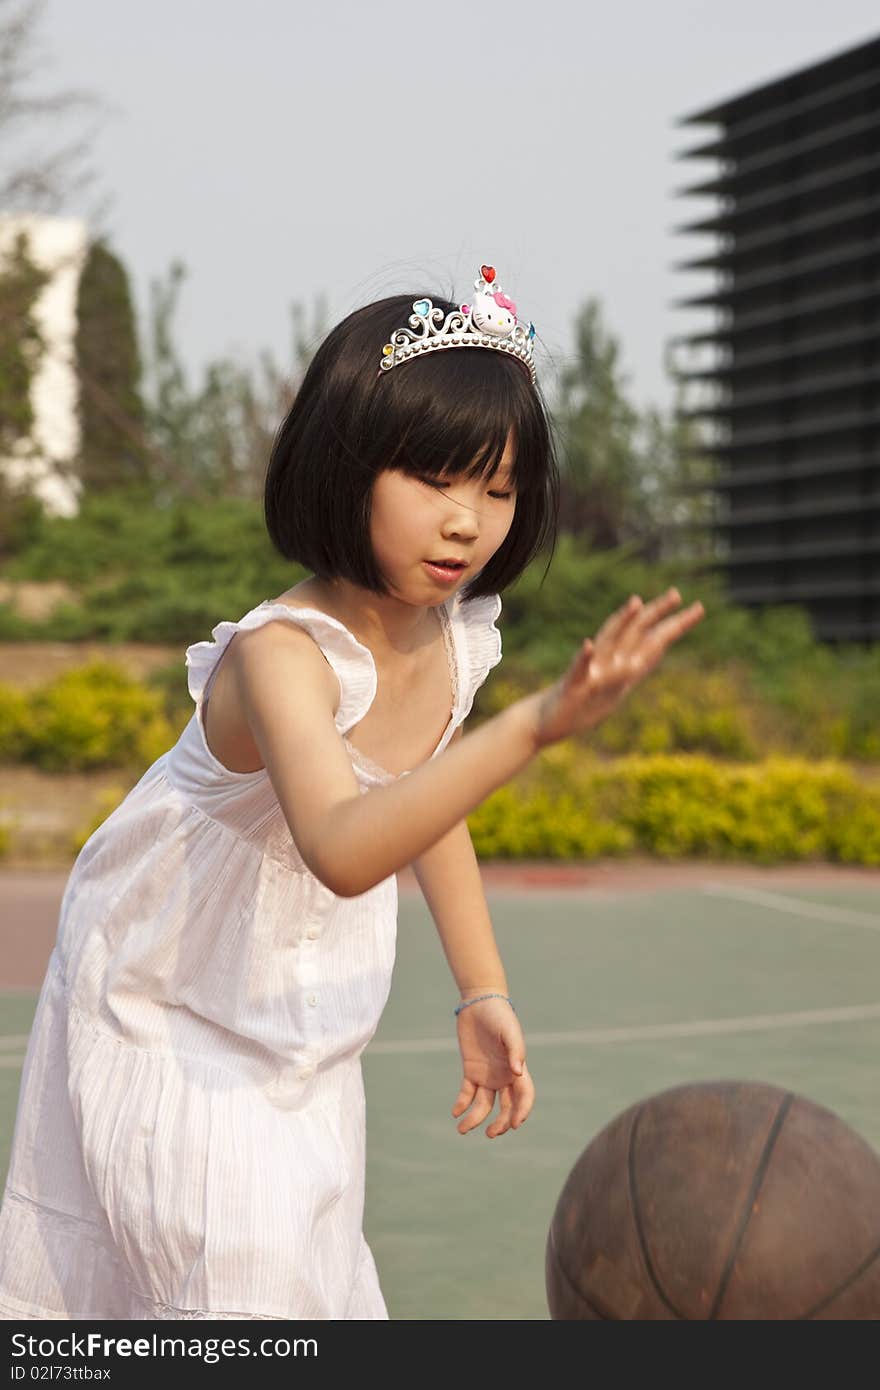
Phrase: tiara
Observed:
(490, 322)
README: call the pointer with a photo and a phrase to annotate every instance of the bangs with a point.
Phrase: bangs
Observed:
(450, 413)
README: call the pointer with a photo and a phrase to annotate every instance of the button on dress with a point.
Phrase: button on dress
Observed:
(190, 1134)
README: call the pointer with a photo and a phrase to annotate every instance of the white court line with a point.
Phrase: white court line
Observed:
(699, 1028)
(651, 1032)
(823, 912)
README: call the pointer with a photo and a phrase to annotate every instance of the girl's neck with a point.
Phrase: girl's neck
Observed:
(386, 625)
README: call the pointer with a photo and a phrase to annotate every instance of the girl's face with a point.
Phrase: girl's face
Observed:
(415, 522)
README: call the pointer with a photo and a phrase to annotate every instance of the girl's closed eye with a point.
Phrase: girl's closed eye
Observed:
(438, 483)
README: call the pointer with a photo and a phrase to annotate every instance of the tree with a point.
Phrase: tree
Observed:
(598, 427)
(39, 175)
(21, 344)
(677, 481)
(108, 371)
(220, 434)
(629, 477)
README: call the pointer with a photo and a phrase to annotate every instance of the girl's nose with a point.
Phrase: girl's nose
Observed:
(463, 518)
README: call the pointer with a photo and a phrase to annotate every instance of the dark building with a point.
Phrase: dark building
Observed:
(791, 394)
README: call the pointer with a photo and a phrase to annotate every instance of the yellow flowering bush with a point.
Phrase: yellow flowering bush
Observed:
(7, 824)
(91, 717)
(682, 709)
(14, 722)
(683, 806)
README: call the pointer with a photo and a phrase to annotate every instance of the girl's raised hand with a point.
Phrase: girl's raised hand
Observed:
(626, 648)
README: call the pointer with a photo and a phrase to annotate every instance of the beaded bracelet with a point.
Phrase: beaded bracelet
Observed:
(480, 998)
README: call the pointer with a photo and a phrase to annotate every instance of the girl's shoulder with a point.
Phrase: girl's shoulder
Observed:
(349, 660)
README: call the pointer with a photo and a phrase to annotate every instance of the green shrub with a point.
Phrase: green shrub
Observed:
(539, 825)
(679, 708)
(148, 572)
(683, 806)
(15, 722)
(687, 806)
(684, 709)
(169, 682)
(92, 717)
(854, 834)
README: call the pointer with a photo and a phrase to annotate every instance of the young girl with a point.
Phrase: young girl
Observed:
(190, 1134)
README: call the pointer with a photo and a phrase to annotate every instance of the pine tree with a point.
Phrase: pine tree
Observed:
(108, 368)
(598, 426)
(21, 344)
(629, 478)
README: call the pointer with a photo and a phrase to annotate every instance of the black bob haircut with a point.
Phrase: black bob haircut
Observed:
(449, 412)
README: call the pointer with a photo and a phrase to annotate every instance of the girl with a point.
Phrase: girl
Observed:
(190, 1134)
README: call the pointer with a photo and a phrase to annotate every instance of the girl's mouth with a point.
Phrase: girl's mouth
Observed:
(445, 573)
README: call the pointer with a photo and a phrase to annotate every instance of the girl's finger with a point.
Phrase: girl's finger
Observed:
(676, 626)
(464, 1098)
(501, 1124)
(482, 1106)
(523, 1092)
(612, 627)
(650, 614)
(580, 664)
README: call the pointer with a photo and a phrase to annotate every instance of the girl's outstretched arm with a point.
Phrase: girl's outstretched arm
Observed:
(351, 841)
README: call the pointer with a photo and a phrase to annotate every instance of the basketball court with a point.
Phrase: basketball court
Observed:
(628, 979)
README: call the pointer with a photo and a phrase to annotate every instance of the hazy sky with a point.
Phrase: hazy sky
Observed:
(284, 149)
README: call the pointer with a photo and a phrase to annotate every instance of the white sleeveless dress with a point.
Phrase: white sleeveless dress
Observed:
(190, 1135)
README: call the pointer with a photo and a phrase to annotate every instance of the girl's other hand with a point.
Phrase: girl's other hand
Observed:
(626, 648)
(493, 1054)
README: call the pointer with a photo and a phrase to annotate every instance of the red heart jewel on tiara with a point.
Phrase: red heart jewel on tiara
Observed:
(488, 273)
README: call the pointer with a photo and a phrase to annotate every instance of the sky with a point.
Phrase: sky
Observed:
(283, 151)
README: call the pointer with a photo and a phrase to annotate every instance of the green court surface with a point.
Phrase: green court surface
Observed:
(620, 997)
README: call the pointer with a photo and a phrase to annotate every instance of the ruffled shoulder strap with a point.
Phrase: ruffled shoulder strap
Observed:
(351, 661)
(481, 642)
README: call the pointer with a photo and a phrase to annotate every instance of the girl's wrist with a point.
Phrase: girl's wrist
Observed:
(526, 713)
(473, 991)
(478, 999)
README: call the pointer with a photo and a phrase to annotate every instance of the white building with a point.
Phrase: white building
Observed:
(57, 245)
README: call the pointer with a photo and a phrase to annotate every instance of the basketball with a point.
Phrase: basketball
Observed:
(719, 1200)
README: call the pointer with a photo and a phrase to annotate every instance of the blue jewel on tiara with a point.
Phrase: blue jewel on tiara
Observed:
(489, 321)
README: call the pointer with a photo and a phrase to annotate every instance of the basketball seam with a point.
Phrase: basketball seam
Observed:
(842, 1286)
(634, 1203)
(748, 1207)
(575, 1286)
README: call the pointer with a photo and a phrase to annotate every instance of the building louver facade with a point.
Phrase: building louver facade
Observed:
(789, 381)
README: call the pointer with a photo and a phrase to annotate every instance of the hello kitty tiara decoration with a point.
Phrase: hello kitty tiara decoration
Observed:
(490, 322)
